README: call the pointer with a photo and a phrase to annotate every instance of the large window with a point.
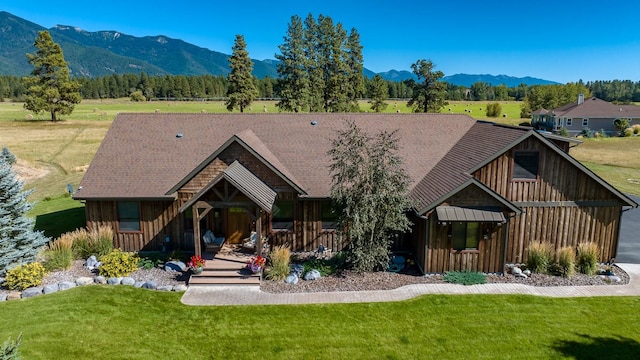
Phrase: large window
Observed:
(465, 235)
(329, 217)
(585, 122)
(128, 216)
(282, 215)
(525, 165)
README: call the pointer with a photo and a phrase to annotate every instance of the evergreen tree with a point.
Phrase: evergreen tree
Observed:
(49, 86)
(355, 79)
(293, 83)
(429, 93)
(242, 89)
(370, 191)
(378, 93)
(19, 243)
(315, 64)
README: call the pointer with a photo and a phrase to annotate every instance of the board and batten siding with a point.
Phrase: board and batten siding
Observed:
(564, 206)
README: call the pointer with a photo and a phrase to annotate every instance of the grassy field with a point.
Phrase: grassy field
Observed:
(118, 322)
(56, 154)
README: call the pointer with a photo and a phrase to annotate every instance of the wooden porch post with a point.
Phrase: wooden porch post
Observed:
(196, 230)
(258, 231)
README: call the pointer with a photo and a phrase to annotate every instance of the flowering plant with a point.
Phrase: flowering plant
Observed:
(196, 262)
(256, 263)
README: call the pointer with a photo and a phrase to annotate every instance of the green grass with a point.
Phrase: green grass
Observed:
(126, 323)
(58, 215)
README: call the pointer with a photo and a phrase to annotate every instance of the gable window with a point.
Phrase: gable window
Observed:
(128, 216)
(525, 165)
(282, 215)
(329, 217)
(585, 122)
(465, 236)
(569, 122)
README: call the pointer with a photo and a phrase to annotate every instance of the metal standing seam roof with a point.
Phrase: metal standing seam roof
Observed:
(454, 213)
(245, 181)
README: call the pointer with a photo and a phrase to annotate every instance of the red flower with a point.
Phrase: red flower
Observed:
(196, 262)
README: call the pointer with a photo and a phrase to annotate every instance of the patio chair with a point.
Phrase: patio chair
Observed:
(211, 242)
(250, 242)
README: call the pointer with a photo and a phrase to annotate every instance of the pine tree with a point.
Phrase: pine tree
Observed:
(354, 62)
(242, 89)
(370, 191)
(378, 93)
(314, 64)
(293, 83)
(49, 86)
(429, 93)
(19, 243)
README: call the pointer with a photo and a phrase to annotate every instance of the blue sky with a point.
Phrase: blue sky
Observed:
(558, 40)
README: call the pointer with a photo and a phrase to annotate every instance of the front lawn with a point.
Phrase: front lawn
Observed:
(120, 322)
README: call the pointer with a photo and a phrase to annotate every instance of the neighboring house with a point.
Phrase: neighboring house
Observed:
(482, 192)
(591, 113)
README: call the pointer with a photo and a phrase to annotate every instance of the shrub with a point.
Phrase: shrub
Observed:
(494, 109)
(539, 257)
(628, 132)
(97, 242)
(150, 261)
(564, 132)
(118, 263)
(567, 261)
(324, 266)
(636, 129)
(587, 260)
(279, 259)
(25, 276)
(587, 133)
(137, 96)
(59, 255)
(603, 134)
(9, 349)
(465, 277)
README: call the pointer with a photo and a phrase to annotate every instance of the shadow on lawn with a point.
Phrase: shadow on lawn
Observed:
(599, 347)
(56, 223)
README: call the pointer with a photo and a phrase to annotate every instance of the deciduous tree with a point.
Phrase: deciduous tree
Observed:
(242, 89)
(49, 86)
(429, 93)
(370, 194)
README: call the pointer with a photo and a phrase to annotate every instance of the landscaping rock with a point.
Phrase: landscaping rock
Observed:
(14, 295)
(83, 281)
(65, 285)
(114, 280)
(138, 284)
(180, 288)
(297, 269)
(100, 280)
(165, 288)
(3, 297)
(177, 266)
(521, 275)
(614, 278)
(516, 270)
(91, 263)
(312, 275)
(31, 292)
(128, 281)
(527, 272)
(151, 285)
(49, 289)
(292, 279)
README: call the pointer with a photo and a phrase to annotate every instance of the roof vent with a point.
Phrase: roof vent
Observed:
(179, 135)
(314, 122)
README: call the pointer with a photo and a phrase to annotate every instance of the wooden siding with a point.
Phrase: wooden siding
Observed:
(551, 204)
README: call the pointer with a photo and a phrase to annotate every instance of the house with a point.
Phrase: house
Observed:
(482, 191)
(592, 113)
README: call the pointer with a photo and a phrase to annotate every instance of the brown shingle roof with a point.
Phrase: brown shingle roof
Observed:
(142, 157)
(597, 108)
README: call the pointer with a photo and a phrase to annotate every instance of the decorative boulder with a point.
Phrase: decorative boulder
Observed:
(165, 288)
(138, 284)
(176, 266)
(521, 275)
(151, 285)
(297, 269)
(92, 263)
(100, 280)
(3, 297)
(114, 280)
(292, 279)
(65, 285)
(614, 278)
(31, 292)
(14, 295)
(526, 272)
(128, 281)
(49, 289)
(82, 281)
(516, 270)
(180, 288)
(312, 275)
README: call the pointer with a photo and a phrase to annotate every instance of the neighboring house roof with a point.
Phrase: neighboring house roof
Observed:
(541, 111)
(597, 108)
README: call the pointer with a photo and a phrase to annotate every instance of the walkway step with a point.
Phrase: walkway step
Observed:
(209, 281)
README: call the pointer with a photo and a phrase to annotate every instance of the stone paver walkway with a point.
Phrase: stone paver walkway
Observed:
(252, 295)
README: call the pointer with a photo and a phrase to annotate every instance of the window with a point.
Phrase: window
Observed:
(329, 217)
(282, 215)
(128, 216)
(525, 165)
(569, 122)
(465, 235)
(585, 122)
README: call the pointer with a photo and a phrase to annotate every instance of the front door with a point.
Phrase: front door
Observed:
(238, 225)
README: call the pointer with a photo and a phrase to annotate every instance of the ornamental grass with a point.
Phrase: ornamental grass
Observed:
(279, 260)
(587, 261)
(540, 257)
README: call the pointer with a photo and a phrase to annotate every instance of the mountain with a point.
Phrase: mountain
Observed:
(510, 81)
(397, 75)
